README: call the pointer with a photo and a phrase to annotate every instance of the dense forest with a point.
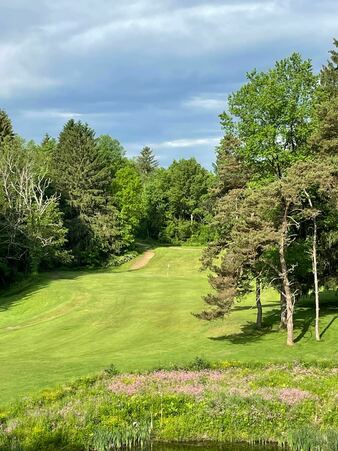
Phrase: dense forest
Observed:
(266, 213)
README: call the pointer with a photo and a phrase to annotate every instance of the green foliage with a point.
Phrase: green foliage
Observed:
(229, 406)
(6, 128)
(154, 199)
(112, 152)
(31, 222)
(270, 188)
(125, 437)
(111, 370)
(129, 317)
(199, 363)
(325, 137)
(176, 204)
(81, 173)
(187, 184)
(271, 115)
(307, 438)
(146, 162)
(127, 188)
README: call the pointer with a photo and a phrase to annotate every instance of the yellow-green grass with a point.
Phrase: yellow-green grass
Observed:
(67, 324)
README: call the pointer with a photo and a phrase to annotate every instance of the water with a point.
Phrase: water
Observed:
(209, 447)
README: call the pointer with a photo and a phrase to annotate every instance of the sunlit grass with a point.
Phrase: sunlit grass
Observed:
(67, 324)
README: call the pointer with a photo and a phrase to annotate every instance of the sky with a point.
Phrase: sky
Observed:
(147, 72)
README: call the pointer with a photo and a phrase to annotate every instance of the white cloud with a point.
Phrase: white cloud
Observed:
(186, 142)
(215, 103)
(20, 68)
(147, 71)
(204, 23)
(50, 114)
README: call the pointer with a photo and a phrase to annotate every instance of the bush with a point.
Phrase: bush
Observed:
(111, 370)
(199, 363)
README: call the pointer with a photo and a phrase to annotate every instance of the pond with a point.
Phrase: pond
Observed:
(209, 447)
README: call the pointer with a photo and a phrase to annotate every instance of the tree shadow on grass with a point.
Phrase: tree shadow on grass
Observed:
(20, 291)
(327, 327)
(303, 320)
(249, 332)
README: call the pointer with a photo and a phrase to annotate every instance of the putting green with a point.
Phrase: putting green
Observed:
(72, 323)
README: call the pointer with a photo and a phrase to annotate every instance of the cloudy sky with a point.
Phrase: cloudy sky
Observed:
(147, 72)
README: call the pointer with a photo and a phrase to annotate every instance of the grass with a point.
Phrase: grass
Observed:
(65, 324)
(284, 404)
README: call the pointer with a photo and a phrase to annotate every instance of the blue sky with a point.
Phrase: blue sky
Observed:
(147, 72)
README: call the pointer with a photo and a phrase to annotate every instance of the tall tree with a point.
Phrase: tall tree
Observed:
(127, 188)
(325, 137)
(31, 223)
(6, 128)
(270, 117)
(82, 175)
(239, 255)
(187, 186)
(113, 152)
(155, 202)
(325, 140)
(146, 161)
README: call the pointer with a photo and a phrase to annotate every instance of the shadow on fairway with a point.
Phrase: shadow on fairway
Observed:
(20, 291)
(304, 319)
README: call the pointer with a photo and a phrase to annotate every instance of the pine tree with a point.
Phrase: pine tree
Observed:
(325, 138)
(146, 161)
(6, 128)
(82, 176)
(267, 128)
(238, 255)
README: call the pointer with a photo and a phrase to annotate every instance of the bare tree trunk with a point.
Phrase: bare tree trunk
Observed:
(282, 308)
(259, 303)
(314, 268)
(285, 279)
(315, 276)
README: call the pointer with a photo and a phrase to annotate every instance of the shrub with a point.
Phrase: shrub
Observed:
(111, 370)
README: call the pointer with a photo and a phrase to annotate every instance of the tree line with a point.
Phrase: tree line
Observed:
(79, 201)
(267, 212)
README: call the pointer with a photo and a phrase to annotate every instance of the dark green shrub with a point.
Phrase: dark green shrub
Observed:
(111, 370)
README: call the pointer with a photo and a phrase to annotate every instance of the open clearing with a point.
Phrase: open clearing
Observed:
(71, 323)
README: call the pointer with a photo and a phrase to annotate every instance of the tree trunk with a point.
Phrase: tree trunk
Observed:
(282, 308)
(285, 279)
(314, 268)
(315, 276)
(258, 304)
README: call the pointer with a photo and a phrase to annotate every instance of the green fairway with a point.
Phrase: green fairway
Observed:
(68, 324)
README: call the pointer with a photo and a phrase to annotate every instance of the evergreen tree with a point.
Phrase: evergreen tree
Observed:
(146, 161)
(325, 140)
(266, 129)
(325, 137)
(82, 175)
(6, 128)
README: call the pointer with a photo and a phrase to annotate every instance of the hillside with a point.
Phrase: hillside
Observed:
(72, 323)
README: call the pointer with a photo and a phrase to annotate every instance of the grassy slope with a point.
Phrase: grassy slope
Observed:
(69, 324)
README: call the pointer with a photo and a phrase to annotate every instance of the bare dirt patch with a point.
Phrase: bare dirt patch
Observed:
(143, 260)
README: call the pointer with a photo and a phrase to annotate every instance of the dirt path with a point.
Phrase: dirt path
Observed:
(143, 260)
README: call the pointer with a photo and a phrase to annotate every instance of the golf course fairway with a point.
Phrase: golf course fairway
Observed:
(66, 324)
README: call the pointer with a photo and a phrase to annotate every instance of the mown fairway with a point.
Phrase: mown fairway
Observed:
(68, 324)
